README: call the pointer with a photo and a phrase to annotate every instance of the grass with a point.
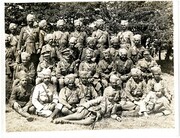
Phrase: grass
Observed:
(16, 123)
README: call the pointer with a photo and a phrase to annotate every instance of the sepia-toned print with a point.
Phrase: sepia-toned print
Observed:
(89, 65)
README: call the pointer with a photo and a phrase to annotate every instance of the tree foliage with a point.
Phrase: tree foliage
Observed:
(151, 19)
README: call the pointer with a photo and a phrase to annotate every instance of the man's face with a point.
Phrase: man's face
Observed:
(84, 80)
(137, 41)
(50, 42)
(78, 27)
(147, 57)
(88, 56)
(123, 56)
(114, 83)
(159, 93)
(61, 27)
(115, 44)
(12, 30)
(46, 57)
(134, 57)
(25, 61)
(124, 27)
(24, 81)
(106, 56)
(72, 44)
(46, 79)
(71, 84)
(92, 44)
(111, 97)
(157, 76)
(30, 23)
(135, 77)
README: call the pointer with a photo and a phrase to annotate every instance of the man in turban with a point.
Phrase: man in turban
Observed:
(29, 39)
(125, 36)
(20, 99)
(45, 96)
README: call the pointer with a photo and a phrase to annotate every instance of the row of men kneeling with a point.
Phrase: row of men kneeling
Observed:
(78, 102)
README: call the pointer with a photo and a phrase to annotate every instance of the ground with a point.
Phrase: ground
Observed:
(16, 123)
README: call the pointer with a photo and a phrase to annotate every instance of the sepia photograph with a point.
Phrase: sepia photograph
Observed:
(94, 65)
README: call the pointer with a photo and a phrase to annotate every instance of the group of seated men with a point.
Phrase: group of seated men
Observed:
(75, 78)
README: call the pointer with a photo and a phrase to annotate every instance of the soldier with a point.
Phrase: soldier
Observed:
(46, 63)
(65, 66)
(146, 64)
(55, 56)
(134, 57)
(135, 91)
(125, 36)
(45, 96)
(81, 36)
(92, 28)
(10, 64)
(29, 39)
(74, 49)
(20, 99)
(69, 97)
(157, 78)
(91, 44)
(114, 47)
(91, 66)
(156, 101)
(13, 35)
(61, 36)
(26, 66)
(123, 66)
(91, 111)
(105, 67)
(87, 89)
(42, 34)
(102, 37)
(137, 46)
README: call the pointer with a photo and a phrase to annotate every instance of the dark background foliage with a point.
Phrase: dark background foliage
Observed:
(150, 19)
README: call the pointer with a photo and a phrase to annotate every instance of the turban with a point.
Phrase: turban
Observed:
(92, 25)
(122, 51)
(114, 77)
(137, 37)
(91, 40)
(46, 72)
(48, 37)
(156, 70)
(100, 22)
(42, 23)
(72, 40)
(69, 77)
(89, 51)
(78, 23)
(106, 51)
(146, 52)
(136, 72)
(25, 55)
(60, 22)
(12, 26)
(84, 74)
(124, 22)
(30, 17)
(114, 39)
